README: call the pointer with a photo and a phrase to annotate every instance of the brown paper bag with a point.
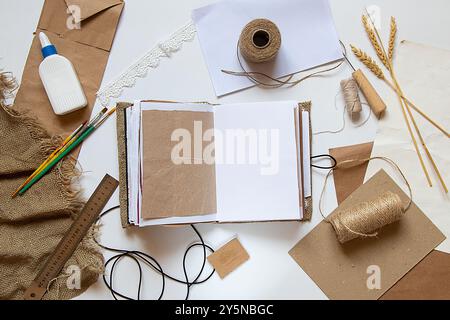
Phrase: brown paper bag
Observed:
(87, 48)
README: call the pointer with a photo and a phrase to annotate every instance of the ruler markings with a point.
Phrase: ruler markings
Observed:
(72, 239)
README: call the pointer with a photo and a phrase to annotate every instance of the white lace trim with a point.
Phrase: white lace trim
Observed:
(150, 60)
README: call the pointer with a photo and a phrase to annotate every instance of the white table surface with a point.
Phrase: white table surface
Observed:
(270, 273)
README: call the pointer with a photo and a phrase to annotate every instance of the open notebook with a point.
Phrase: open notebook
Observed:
(184, 163)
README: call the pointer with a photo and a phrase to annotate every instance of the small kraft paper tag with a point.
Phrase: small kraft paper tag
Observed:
(228, 258)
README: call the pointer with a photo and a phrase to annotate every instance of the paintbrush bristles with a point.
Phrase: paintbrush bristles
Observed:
(373, 39)
(392, 38)
(368, 62)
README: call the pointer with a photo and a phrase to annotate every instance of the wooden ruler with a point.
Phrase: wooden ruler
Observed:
(72, 239)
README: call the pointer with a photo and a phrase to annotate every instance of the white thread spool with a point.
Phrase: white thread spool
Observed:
(351, 96)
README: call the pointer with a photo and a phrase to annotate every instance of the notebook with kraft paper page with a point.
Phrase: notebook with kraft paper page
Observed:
(184, 163)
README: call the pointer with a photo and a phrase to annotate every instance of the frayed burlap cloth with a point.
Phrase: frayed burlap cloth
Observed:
(32, 225)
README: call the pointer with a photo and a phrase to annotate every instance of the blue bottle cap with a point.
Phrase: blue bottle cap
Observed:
(48, 51)
(48, 48)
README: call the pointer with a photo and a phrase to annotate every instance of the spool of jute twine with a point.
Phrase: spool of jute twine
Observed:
(260, 41)
(351, 96)
(366, 218)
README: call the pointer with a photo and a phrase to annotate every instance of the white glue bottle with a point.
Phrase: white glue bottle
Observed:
(60, 80)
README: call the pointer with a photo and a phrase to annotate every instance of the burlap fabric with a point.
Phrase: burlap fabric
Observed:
(32, 225)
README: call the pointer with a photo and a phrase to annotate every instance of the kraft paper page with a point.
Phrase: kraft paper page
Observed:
(171, 189)
(348, 180)
(343, 271)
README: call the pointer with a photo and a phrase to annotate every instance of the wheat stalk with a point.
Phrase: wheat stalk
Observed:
(368, 62)
(407, 111)
(373, 39)
(392, 37)
(403, 105)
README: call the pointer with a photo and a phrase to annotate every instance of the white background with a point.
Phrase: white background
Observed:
(270, 273)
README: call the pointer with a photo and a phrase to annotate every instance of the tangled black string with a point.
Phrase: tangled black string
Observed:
(142, 258)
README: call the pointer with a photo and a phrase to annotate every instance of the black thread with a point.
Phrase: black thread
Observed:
(140, 257)
(333, 160)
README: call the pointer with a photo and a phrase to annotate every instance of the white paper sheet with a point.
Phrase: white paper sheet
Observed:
(424, 74)
(133, 128)
(309, 37)
(268, 188)
(307, 181)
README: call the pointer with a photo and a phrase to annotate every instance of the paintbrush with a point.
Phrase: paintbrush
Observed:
(54, 153)
(94, 125)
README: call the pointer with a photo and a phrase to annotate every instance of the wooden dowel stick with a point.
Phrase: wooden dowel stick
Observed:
(422, 141)
(373, 98)
(426, 117)
(419, 111)
(408, 125)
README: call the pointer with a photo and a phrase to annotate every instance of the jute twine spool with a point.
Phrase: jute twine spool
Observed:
(367, 217)
(351, 95)
(260, 41)
(364, 219)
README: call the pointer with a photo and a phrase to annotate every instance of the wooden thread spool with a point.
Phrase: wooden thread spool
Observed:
(373, 98)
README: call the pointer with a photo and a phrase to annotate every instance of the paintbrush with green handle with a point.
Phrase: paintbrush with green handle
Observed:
(64, 152)
(48, 160)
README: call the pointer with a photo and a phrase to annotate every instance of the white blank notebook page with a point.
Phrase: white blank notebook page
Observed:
(266, 189)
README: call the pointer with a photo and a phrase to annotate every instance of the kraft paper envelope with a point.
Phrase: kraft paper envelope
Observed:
(348, 180)
(429, 280)
(343, 271)
(87, 48)
(172, 189)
